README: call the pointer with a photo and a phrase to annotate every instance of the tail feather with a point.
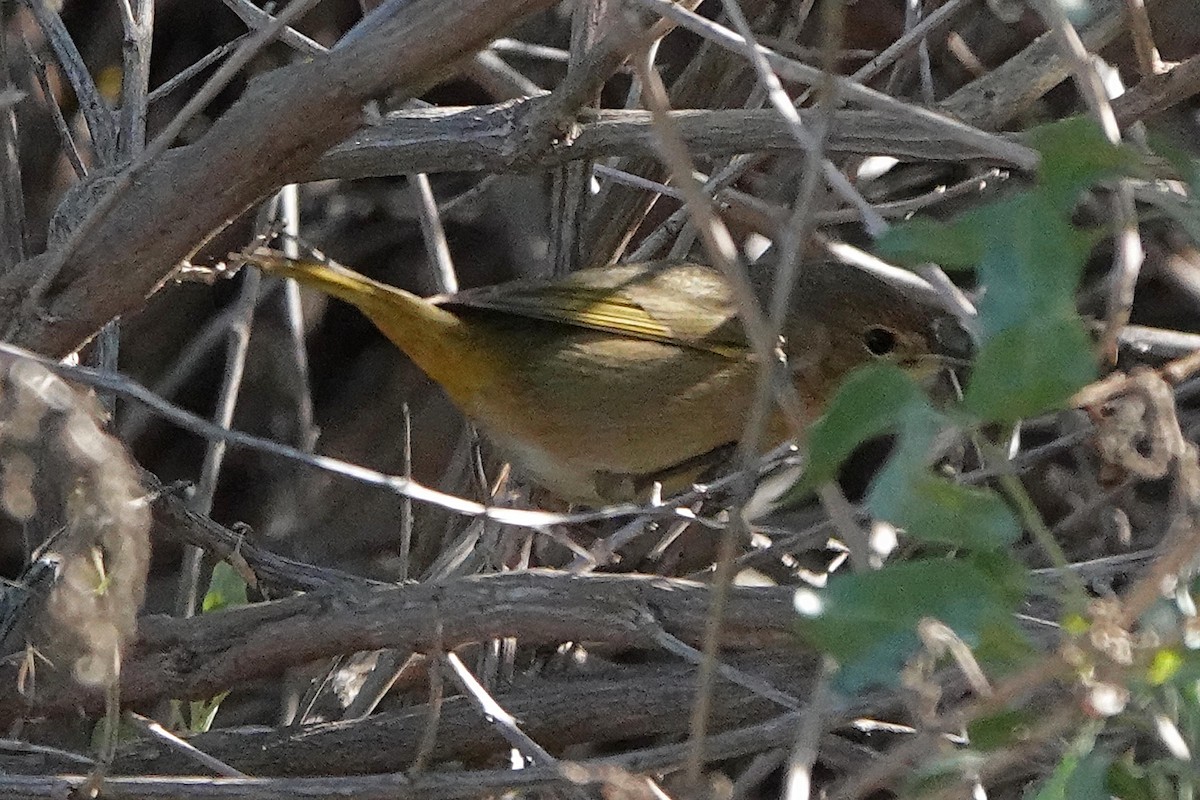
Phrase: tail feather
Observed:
(431, 336)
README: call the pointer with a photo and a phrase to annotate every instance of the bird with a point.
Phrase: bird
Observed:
(613, 384)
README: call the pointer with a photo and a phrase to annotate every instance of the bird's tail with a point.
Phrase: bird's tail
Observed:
(416, 326)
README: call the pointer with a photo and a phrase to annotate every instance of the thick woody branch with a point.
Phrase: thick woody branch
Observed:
(496, 138)
(643, 700)
(202, 656)
(282, 124)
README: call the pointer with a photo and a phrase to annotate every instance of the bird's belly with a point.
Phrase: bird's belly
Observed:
(592, 415)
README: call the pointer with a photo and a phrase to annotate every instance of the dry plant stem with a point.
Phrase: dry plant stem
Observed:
(293, 310)
(436, 246)
(1129, 254)
(494, 713)
(936, 124)
(443, 785)
(185, 75)
(256, 19)
(437, 695)
(294, 105)
(136, 419)
(747, 681)
(1011, 88)
(190, 589)
(1157, 93)
(793, 238)
(138, 27)
(95, 111)
(152, 728)
(404, 551)
(723, 253)
(1127, 265)
(175, 522)
(530, 50)
(66, 138)
(571, 183)
(498, 79)
(733, 171)
(213, 652)
(19, 746)
(84, 234)
(1149, 62)
(806, 747)
(138, 32)
(914, 36)
(644, 702)
(636, 181)
(12, 198)
(812, 145)
(511, 136)
(912, 19)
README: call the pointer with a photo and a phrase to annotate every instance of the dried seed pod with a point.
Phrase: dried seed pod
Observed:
(60, 472)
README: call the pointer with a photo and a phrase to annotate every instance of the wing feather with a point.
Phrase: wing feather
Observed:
(676, 303)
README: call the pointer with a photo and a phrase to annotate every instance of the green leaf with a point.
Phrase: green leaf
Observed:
(1032, 264)
(867, 621)
(871, 402)
(1030, 369)
(957, 245)
(1077, 777)
(1128, 782)
(934, 509)
(204, 712)
(1076, 155)
(1002, 729)
(225, 589)
(880, 399)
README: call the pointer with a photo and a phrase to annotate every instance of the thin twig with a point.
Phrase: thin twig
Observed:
(189, 591)
(66, 138)
(495, 713)
(256, 20)
(393, 483)
(937, 124)
(224, 74)
(152, 728)
(95, 111)
(436, 246)
(138, 27)
(12, 195)
(740, 677)
(190, 72)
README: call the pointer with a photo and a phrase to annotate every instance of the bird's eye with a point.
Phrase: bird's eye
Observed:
(880, 341)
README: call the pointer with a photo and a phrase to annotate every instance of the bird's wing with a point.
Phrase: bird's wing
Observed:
(679, 303)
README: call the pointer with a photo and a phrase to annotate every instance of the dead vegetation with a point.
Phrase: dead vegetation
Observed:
(419, 618)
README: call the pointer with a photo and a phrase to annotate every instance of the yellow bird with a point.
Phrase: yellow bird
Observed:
(601, 383)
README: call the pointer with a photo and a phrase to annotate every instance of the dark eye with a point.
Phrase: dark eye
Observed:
(879, 341)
